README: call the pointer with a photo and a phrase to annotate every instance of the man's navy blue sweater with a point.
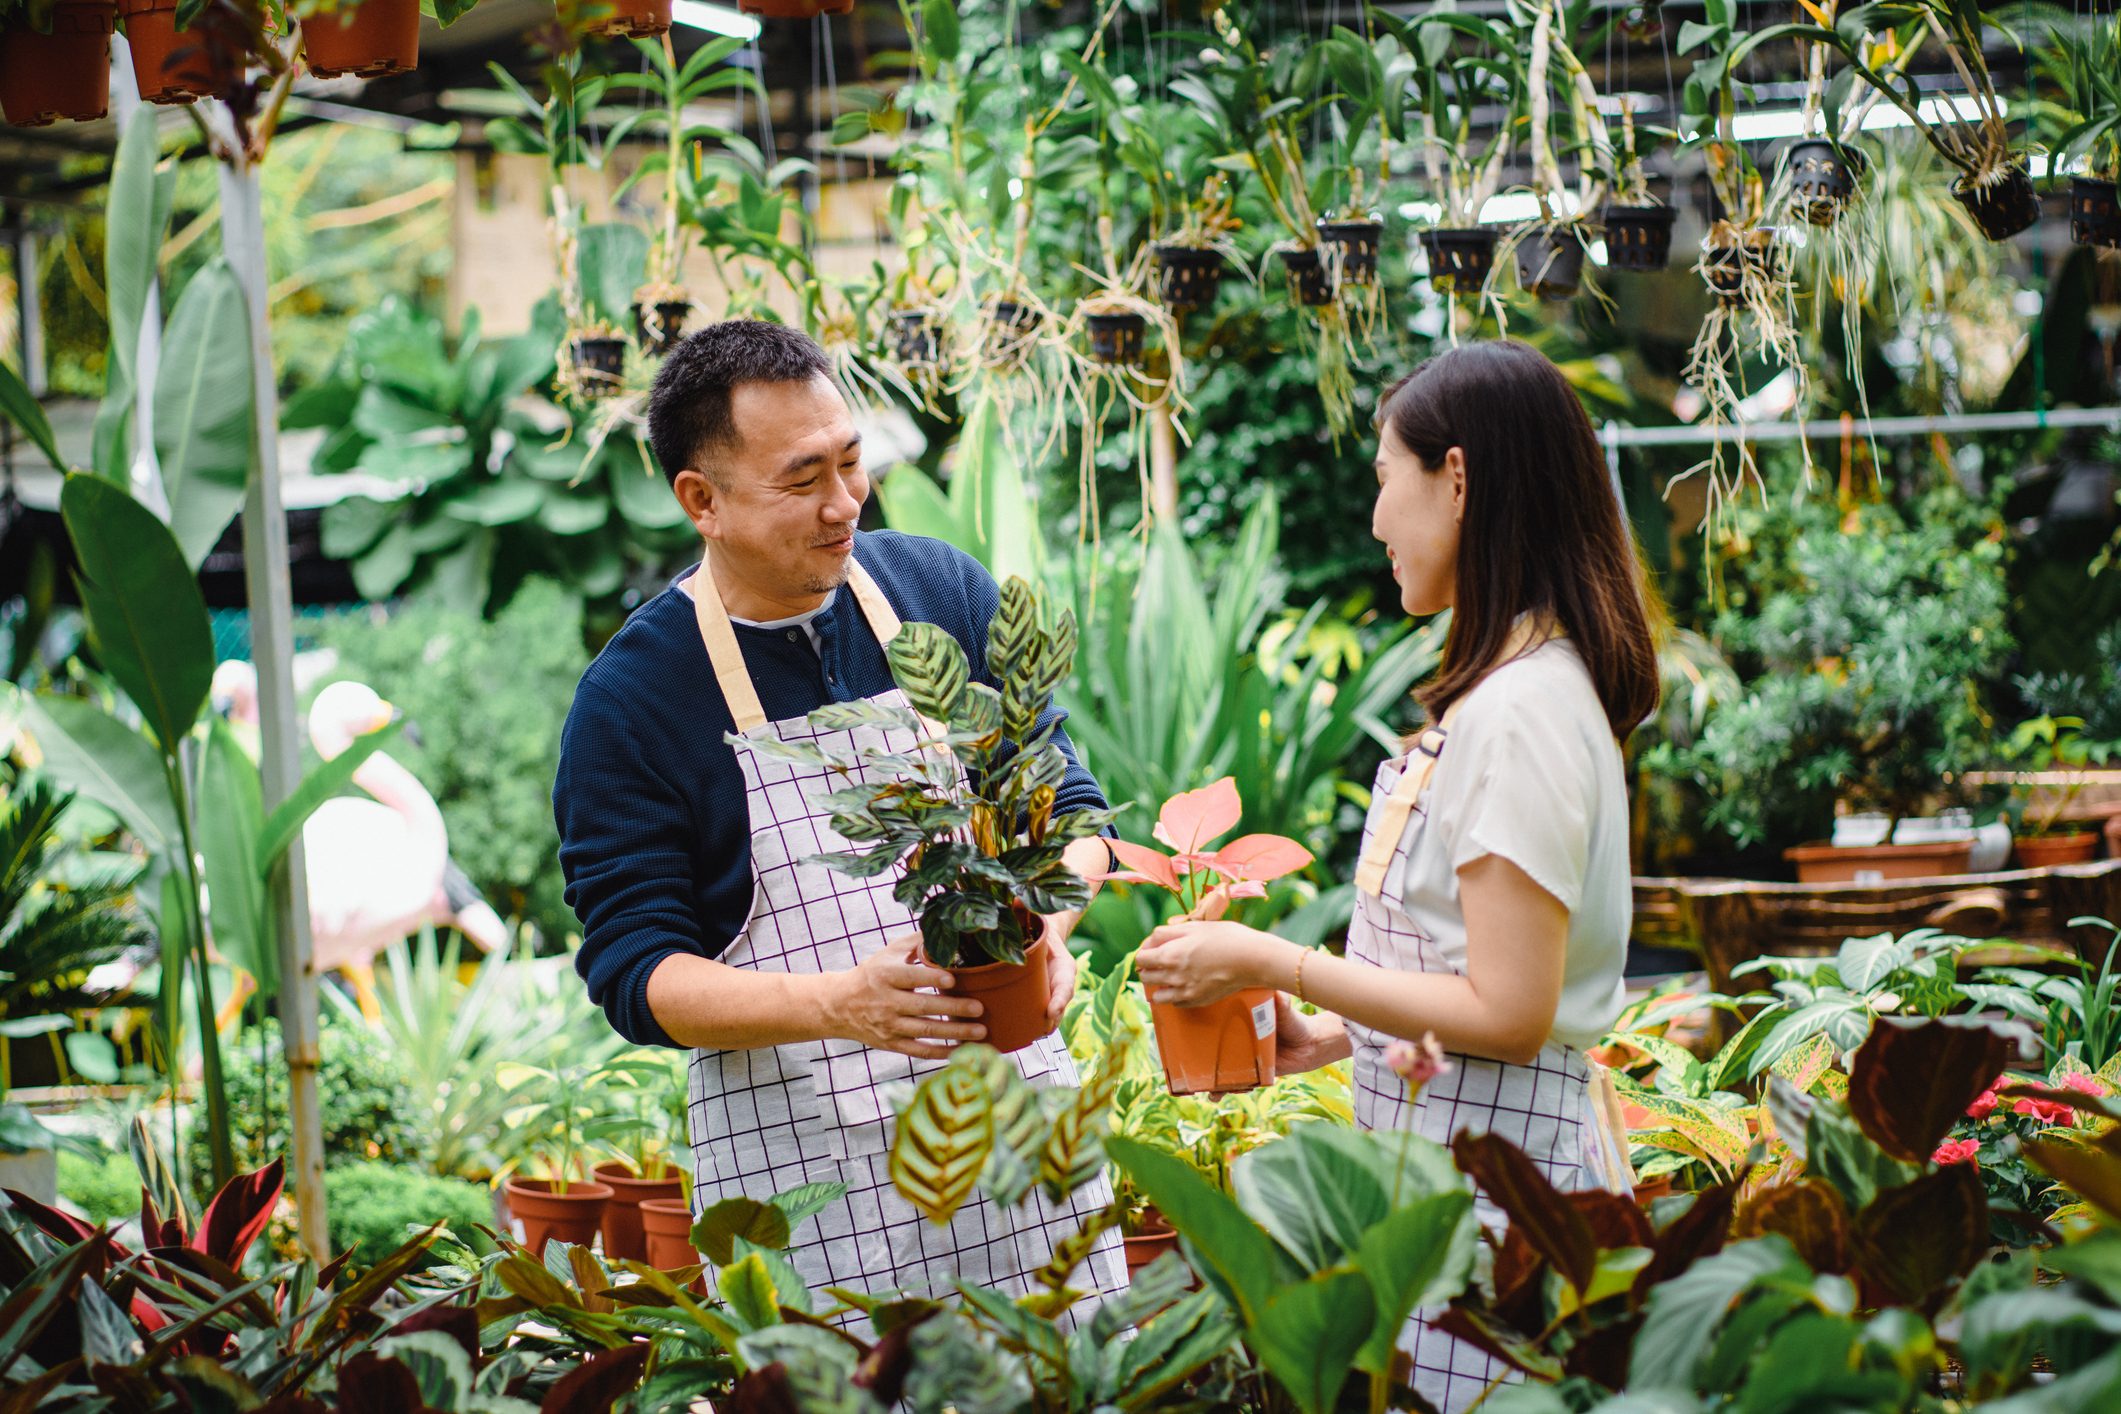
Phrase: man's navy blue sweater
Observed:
(655, 839)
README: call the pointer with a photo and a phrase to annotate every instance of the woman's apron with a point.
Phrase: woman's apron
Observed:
(770, 1119)
(1548, 1108)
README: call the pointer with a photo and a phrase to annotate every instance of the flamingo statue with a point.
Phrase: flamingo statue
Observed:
(379, 869)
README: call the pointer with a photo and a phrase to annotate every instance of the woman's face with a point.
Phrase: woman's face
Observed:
(1417, 516)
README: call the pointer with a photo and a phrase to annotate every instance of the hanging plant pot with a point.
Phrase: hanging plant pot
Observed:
(1354, 245)
(661, 324)
(538, 1212)
(1460, 257)
(1309, 279)
(1013, 994)
(917, 337)
(1011, 327)
(1187, 277)
(1725, 267)
(599, 363)
(64, 74)
(2094, 213)
(172, 65)
(370, 40)
(795, 9)
(1638, 238)
(621, 1226)
(1550, 262)
(2003, 206)
(1117, 338)
(630, 19)
(1822, 179)
(1219, 1048)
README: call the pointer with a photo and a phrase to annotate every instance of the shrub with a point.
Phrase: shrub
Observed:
(362, 1090)
(106, 1189)
(373, 1205)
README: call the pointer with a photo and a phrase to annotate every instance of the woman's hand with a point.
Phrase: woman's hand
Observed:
(1303, 1042)
(1191, 963)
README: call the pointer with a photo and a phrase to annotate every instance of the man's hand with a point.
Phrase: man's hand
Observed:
(1060, 972)
(880, 1004)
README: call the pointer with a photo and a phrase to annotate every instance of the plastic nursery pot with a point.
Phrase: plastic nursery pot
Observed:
(794, 9)
(1550, 263)
(623, 1234)
(2044, 851)
(1117, 338)
(1156, 1238)
(1220, 1048)
(1822, 178)
(1460, 257)
(2094, 213)
(666, 1230)
(2003, 205)
(916, 337)
(1187, 277)
(1726, 266)
(1310, 278)
(1879, 863)
(1014, 993)
(629, 19)
(601, 364)
(538, 1214)
(1011, 327)
(660, 325)
(171, 65)
(1354, 246)
(370, 39)
(64, 74)
(1638, 238)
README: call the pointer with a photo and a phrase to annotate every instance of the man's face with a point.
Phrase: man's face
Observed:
(780, 501)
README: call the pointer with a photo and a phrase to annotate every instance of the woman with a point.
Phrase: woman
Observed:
(1493, 901)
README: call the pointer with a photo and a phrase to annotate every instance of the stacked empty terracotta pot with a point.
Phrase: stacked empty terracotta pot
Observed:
(368, 39)
(64, 74)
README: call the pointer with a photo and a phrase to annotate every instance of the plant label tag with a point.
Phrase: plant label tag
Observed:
(515, 1229)
(1263, 1019)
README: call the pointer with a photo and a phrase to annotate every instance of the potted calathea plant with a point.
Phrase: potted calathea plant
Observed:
(968, 811)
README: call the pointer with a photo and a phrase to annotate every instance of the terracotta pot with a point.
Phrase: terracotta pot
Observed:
(622, 1215)
(2042, 851)
(371, 39)
(1014, 994)
(794, 9)
(1638, 238)
(1219, 1048)
(635, 19)
(1650, 1192)
(171, 65)
(537, 1214)
(1156, 1238)
(666, 1227)
(64, 74)
(1878, 863)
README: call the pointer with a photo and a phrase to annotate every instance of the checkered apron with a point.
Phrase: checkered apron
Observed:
(767, 1120)
(1545, 1108)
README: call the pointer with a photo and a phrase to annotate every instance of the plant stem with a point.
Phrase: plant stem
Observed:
(223, 1151)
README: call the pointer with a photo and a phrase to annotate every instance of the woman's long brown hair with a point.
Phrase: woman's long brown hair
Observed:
(1542, 533)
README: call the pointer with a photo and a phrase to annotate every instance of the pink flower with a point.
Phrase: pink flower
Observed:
(2085, 1084)
(2046, 1111)
(1957, 1151)
(1417, 1062)
(1984, 1105)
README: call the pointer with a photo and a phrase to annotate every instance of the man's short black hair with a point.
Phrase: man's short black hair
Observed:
(688, 411)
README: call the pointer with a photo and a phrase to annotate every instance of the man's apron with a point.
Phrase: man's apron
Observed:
(1547, 1108)
(766, 1120)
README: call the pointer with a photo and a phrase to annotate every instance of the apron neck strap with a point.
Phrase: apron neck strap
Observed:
(1421, 764)
(719, 636)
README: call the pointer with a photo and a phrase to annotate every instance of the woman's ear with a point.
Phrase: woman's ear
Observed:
(1454, 465)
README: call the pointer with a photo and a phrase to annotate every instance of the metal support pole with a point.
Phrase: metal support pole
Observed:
(272, 650)
(1835, 428)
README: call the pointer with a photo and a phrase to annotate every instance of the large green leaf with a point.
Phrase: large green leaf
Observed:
(22, 409)
(1319, 1191)
(1308, 1335)
(204, 436)
(136, 218)
(231, 817)
(613, 260)
(1422, 1255)
(144, 609)
(93, 753)
(1683, 1314)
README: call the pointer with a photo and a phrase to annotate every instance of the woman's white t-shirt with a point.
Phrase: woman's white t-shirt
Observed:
(1531, 772)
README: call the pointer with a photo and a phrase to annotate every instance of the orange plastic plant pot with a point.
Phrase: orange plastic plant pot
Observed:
(1219, 1048)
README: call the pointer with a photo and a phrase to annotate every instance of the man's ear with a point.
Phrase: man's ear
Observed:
(701, 499)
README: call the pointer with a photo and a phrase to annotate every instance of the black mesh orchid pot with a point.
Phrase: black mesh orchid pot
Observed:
(661, 324)
(2003, 203)
(1822, 179)
(1460, 257)
(2094, 213)
(1187, 277)
(1550, 262)
(1117, 338)
(1726, 267)
(599, 363)
(1354, 246)
(916, 338)
(1309, 278)
(1638, 238)
(1011, 326)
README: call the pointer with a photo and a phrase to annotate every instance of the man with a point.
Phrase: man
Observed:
(704, 925)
